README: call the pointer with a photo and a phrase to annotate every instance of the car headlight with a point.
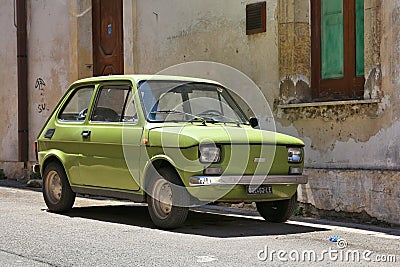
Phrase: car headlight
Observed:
(295, 155)
(210, 154)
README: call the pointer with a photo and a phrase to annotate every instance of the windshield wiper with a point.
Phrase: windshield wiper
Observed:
(229, 120)
(173, 111)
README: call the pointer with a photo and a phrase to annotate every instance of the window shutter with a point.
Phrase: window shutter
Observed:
(256, 15)
(360, 37)
(332, 38)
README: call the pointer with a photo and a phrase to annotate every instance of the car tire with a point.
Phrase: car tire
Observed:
(57, 191)
(277, 211)
(167, 199)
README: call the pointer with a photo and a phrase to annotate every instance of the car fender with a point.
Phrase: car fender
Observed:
(71, 169)
(151, 162)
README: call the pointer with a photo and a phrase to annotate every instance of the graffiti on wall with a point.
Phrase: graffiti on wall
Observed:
(40, 84)
(42, 107)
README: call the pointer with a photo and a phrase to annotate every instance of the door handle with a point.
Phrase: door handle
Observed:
(86, 133)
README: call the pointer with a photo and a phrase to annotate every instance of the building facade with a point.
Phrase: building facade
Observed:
(329, 69)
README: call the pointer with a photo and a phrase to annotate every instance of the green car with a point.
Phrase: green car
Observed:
(173, 142)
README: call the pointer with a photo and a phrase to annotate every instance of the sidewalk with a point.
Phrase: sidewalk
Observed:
(19, 185)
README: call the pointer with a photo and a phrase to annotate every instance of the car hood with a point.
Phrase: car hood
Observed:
(192, 135)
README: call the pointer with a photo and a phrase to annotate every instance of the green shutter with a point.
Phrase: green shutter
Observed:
(359, 37)
(332, 39)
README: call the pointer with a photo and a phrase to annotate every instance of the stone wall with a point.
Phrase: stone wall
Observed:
(352, 146)
(354, 191)
(294, 51)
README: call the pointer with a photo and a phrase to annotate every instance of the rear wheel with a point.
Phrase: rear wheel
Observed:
(57, 192)
(167, 199)
(277, 211)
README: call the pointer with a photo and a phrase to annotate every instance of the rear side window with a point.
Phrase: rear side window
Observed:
(77, 106)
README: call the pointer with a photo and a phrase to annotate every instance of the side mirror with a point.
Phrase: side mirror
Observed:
(253, 122)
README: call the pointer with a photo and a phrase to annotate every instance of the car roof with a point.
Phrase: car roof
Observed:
(136, 78)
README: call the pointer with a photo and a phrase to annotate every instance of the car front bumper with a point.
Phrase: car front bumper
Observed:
(247, 180)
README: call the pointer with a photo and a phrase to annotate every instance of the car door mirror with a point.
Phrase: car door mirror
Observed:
(253, 122)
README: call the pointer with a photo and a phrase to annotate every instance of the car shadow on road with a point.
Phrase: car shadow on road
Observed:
(202, 223)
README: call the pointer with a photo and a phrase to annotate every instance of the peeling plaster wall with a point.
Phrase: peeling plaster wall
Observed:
(336, 136)
(60, 52)
(294, 25)
(8, 86)
(80, 39)
(353, 148)
(173, 32)
(294, 51)
(354, 191)
(354, 144)
(357, 135)
(48, 57)
(59, 32)
(130, 35)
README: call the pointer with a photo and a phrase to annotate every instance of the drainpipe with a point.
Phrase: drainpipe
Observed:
(22, 57)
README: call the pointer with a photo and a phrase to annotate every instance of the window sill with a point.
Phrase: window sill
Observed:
(330, 103)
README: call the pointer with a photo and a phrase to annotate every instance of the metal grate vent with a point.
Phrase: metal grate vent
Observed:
(256, 18)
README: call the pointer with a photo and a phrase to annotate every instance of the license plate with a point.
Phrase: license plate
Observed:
(259, 190)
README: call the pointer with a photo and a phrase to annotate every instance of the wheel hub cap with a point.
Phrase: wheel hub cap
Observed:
(54, 186)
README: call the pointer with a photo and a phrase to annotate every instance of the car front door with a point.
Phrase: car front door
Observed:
(65, 134)
(111, 138)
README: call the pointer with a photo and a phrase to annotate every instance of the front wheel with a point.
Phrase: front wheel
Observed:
(57, 192)
(167, 200)
(277, 211)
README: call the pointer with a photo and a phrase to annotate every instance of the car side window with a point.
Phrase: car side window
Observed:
(114, 104)
(77, 106)
(130, 112)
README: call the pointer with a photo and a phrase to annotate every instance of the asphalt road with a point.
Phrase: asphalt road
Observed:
(114, 233)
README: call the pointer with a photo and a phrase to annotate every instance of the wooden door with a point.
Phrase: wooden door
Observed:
(108, 48)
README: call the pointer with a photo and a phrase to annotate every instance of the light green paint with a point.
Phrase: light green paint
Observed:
(360, 37)
(99, 161)
(187, 135)
(332, 39)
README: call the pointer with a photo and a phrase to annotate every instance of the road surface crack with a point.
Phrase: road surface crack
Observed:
(29, 258)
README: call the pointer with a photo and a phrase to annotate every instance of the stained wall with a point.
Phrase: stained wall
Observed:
(352, 146)
(59, 52)
(8, 87)
(174, 32)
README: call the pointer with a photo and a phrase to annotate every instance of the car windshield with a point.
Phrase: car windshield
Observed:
(173, 101)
